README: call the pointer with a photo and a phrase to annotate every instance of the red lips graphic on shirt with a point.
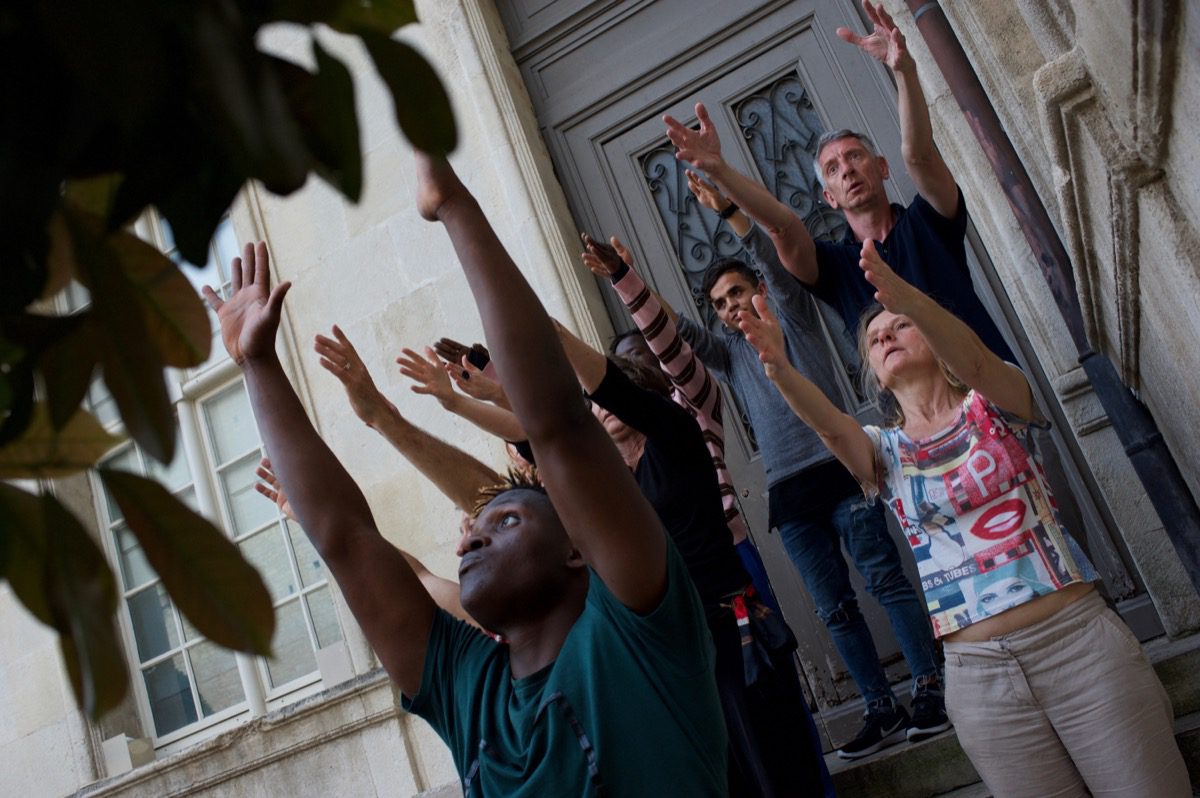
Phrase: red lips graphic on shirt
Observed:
(1001, 521)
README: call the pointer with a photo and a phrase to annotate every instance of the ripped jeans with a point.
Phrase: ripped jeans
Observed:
(813, 543)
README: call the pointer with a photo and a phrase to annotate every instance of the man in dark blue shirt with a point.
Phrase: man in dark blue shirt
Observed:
(923, 242)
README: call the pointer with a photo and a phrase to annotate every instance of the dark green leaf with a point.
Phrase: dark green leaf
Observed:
(133, 369)
(59, 257)
(174, 314)
(94, 195)
(25, 536)
(323, 104)
(347, 16)
(382, 17)
(82, 595)
(418, 96)
(19, 379)
(43, 452)
(195, 204)
(238, 95)
(63, 350)
(206, 575)
(66, 367)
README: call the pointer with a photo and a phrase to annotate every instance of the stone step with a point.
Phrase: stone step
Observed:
(938, 767)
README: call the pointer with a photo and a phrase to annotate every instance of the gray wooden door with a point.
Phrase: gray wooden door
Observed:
(773, 76)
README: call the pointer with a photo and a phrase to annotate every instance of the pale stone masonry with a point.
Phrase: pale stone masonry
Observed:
(1116, 160)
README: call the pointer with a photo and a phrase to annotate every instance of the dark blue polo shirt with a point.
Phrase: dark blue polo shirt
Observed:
(927, 250)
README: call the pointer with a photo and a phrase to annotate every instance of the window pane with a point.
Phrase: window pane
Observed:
(293, 652)
(169, 695)
(135, 570)
(267, 552)
(312, 569)
(188, 497)
(320, 606)
(76, 296)
(189, 632)
(225, 248)
(217, 678)
(230, 424)
(101, 403)
(153, 622)
(125, 460)
(248, 508)
(175, 475)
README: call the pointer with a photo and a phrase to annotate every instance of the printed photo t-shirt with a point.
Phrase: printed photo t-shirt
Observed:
(976, 509)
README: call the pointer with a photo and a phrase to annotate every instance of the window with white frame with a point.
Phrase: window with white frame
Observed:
(186, 684)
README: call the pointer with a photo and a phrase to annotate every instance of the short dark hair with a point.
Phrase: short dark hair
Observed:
(619, 337)
(722, 267)
(642, 376)
(515, 479)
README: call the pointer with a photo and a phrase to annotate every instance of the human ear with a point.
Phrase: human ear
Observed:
(884, 169)
(829, 198)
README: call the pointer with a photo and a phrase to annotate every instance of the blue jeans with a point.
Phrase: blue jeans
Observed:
(813, 544)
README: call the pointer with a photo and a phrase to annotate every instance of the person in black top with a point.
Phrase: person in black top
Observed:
(773, 746)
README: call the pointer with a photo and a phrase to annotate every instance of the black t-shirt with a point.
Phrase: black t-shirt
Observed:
(927, 250)
(676, 475)
(811, 493)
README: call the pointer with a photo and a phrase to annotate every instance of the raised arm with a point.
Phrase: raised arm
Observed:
(791, 299)
(657, 326)
(458, 475)
(430, 376)
(702, 149)
(443, 591)
(599, 503)
(839, 431)
(886, 44)
(951, 340)
(389, 603)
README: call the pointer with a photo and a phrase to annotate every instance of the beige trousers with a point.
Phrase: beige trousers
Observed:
(1069, 706)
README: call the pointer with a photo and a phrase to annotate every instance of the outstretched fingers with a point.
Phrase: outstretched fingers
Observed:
(212, 298)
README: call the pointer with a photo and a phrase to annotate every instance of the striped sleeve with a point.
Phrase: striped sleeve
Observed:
(694, 386)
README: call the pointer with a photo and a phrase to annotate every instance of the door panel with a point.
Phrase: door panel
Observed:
(773, 76)
(633, 187)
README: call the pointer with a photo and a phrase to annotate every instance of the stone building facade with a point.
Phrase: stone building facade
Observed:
(1101, 99)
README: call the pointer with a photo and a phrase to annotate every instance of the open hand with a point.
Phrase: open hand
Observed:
(885, 43)
(340, 358)
(268, 485)
(429, 373)
(764, 334)
(452, 351)
(604, 260)
(701, 148)
(475, 383)
(891, 290)
(250, 317)
(706, 193)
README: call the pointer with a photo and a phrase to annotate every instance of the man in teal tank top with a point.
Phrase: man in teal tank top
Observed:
(603, 684)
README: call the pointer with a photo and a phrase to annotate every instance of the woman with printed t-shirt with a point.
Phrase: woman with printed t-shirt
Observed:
(1049, 691)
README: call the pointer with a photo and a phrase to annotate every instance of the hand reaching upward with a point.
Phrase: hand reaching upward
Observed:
(268, 485)
(706, 193)
(701, 148)
(604, 260)
(765, 335)
(340, 358)
(475, 383)
(885, 43)
(429, 373)
(891, 290)
(250, 317)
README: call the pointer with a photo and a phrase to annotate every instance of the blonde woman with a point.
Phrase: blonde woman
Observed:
(1049, 691)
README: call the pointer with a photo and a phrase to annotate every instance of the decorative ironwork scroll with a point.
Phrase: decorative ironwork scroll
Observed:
(781, 129)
